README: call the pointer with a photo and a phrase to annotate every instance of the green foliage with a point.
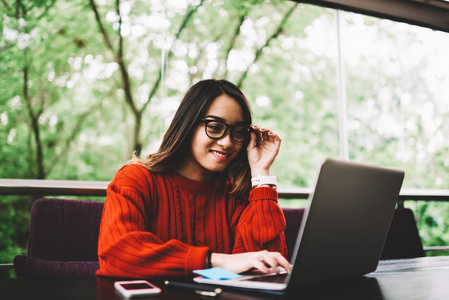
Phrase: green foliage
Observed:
(433, 228)
(14, 225)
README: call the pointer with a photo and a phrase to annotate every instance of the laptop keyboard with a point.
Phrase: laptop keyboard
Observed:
(278, 278)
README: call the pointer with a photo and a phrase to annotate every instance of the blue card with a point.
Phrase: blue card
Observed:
(217, 273)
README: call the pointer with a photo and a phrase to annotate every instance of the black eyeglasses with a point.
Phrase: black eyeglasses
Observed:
(217, 129)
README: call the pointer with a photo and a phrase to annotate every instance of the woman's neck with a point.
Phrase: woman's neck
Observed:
(194, 172)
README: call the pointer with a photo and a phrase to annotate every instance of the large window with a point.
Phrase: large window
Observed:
(66, 102)
(398, 92)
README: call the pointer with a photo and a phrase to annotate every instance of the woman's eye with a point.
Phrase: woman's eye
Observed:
(241, 132)
(215, 127)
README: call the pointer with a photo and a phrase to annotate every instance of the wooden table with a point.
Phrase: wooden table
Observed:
(421, 278)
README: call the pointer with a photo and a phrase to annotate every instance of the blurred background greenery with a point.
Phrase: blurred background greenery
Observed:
(85, 83)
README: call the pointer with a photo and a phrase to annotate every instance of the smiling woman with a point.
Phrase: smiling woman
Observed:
(191, 200)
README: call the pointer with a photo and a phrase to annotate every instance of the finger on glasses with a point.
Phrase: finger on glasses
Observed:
(274, 137)
(256, 130)
(267, 134)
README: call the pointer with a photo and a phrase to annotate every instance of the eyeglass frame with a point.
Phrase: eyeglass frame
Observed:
(207, 121)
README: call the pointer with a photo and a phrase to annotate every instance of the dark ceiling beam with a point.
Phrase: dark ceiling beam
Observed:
(432, 14)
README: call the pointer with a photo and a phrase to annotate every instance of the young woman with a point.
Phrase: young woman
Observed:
(205, 199)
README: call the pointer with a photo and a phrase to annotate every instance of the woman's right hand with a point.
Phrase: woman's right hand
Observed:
(263, 148)
(264, 261)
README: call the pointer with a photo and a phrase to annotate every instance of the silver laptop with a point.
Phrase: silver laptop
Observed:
(343, 230)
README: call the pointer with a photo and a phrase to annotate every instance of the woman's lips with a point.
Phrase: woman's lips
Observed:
(221, 156)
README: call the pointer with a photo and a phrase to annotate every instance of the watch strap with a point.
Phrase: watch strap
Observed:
(264, 180)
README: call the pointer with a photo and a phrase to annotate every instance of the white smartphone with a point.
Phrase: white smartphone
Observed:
(136, 288)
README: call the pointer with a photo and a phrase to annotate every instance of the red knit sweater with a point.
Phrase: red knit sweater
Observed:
(163, 224)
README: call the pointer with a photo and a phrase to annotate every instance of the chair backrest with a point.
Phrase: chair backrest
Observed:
(64, 230)
(293, 218)
(403, 240)
(63, 239)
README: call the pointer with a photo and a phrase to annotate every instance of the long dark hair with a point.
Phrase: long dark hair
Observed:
(176, 142)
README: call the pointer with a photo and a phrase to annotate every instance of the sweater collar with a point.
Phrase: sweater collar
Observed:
(195, 186)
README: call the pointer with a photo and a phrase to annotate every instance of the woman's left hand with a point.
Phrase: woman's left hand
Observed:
(263, 261)
(262, 150)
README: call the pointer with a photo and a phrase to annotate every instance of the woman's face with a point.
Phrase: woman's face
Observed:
(209, 155)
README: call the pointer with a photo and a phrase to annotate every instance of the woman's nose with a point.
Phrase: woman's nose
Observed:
(226, 140)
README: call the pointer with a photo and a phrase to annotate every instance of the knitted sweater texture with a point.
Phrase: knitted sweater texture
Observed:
(163, 224)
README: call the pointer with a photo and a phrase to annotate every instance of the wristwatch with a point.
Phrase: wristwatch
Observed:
(264, 180)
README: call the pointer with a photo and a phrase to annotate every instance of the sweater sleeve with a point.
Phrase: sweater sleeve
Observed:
(125, 247)
(261, 224)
